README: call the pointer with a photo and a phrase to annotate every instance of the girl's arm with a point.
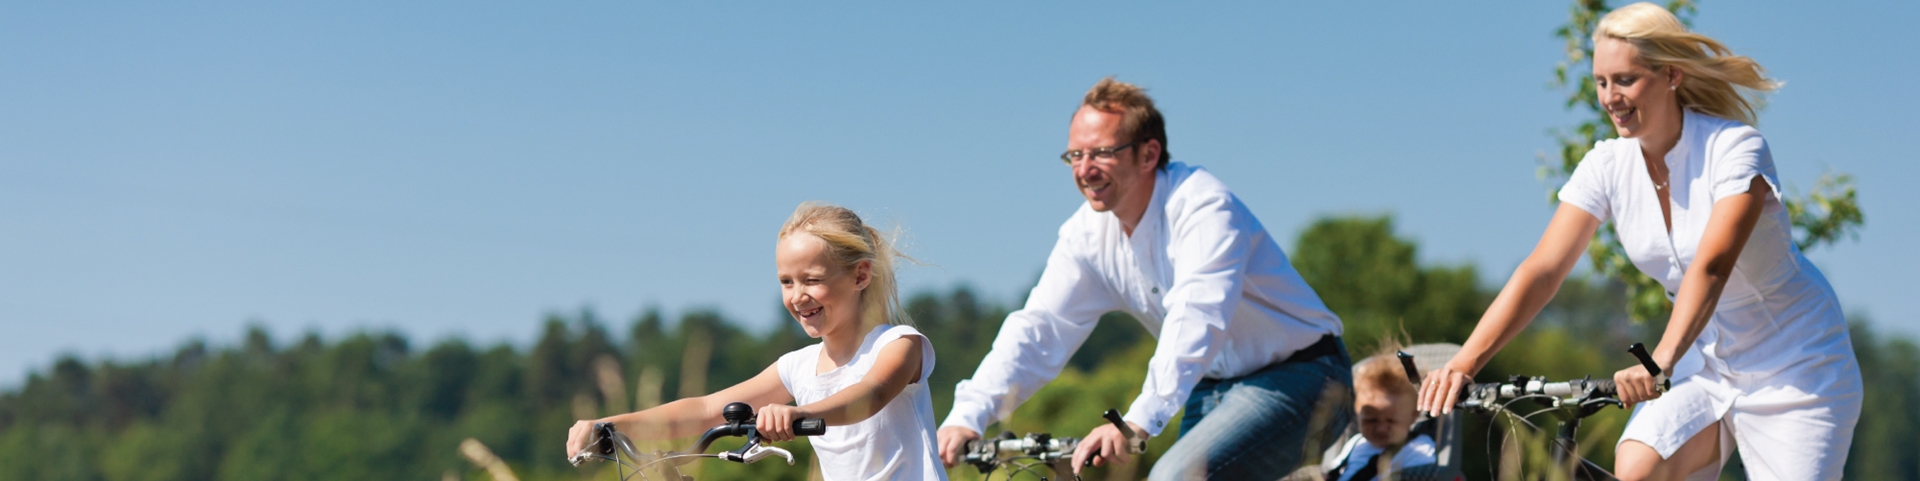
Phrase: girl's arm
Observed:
(686, 417)
(1532, 285)
(897, 366)
(1727, 232)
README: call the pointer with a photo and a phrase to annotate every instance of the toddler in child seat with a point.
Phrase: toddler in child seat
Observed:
(1384, 401)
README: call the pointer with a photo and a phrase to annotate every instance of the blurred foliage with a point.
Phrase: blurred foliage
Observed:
(1371, 279)
(1826, 214)
(373, 406)
(1831, 211)
(1884, 441)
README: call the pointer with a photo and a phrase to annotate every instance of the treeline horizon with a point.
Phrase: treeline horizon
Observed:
(376, 405)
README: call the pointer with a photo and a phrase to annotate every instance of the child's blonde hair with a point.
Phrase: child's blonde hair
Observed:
(850, 242)
(1382, 371)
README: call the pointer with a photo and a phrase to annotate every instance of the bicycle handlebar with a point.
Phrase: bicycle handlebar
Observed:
(1482, 395)
(1579, 390)
(740, 422)
(986, 454)
(801, 427)
(1041, 445)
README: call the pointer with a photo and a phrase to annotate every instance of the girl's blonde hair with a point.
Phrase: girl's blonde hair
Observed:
(1713, 73)
(850, 242)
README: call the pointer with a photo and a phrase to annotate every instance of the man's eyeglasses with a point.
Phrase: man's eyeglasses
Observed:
(1101, 154)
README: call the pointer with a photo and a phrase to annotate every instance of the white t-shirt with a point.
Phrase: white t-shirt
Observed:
(1419, 451)
(897, 442)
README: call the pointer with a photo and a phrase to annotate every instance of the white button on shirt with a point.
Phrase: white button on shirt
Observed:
(1232, 303)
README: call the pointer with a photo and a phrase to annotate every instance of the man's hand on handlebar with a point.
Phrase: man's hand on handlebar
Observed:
(953, 443)
(1108, 444)
(1441, 389)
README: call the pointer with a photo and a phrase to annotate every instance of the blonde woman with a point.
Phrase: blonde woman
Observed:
(1757, 346)
(866, 378)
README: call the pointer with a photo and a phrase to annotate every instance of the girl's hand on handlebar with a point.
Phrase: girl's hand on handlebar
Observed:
(1441, 388)
(776, 421)
(1635, 384)
(578, 436)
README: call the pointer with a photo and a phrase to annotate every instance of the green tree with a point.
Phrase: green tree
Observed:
(1370, 277)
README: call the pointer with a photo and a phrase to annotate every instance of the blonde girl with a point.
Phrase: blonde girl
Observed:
(866, 378)
(1757, 346)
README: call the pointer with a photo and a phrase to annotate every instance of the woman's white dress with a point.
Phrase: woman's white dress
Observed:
(1775, 361)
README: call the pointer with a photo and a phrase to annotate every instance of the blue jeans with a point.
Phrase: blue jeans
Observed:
(1257, 426)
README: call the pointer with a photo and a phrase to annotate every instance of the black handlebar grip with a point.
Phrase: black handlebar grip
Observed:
(809, 427)
(1406, 362)
(1113, 417)
(603, 444)
(1640, 352)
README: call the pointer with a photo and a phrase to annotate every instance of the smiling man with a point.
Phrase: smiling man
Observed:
(1243, 344)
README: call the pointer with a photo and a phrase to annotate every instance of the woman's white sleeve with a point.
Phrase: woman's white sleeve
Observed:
(1589, 186)
(1739, 154)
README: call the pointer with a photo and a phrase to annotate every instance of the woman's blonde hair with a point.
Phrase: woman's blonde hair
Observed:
(1712, 71)
(849, 243)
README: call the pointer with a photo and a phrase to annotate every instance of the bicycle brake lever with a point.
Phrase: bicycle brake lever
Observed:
(755, 452)
(761, 452)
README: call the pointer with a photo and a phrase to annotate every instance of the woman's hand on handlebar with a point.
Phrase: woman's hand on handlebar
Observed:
(775, 421)
(953, 443)
(1441, 388)
(578, 436)
(1634, 384)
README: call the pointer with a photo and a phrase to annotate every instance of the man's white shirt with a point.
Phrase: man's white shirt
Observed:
(1199, 271)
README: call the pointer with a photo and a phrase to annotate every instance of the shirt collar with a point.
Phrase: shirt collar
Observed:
(1156, 206)
(1690, 122)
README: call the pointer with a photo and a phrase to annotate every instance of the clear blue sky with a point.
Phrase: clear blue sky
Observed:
(461, 168)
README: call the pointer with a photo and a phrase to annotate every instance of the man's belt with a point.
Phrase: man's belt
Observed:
(1328, 345)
